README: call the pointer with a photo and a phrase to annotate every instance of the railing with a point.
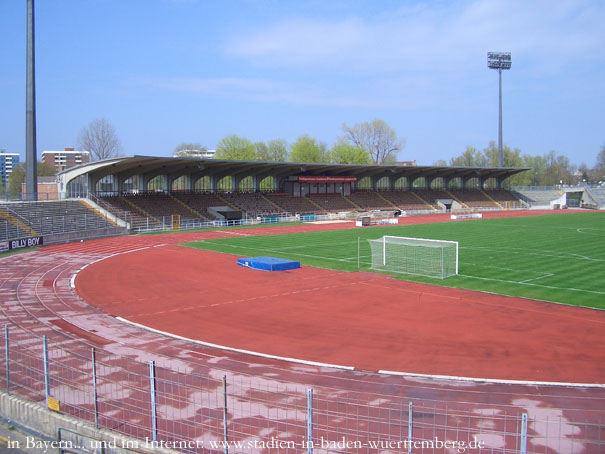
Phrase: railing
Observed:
(201, 410)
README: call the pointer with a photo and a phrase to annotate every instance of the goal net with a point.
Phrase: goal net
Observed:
(432, 258)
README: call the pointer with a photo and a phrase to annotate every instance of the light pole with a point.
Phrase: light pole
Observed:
(31, 154)
(500, 61)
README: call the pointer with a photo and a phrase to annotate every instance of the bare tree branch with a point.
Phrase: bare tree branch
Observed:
(377, 137)
(100, 139)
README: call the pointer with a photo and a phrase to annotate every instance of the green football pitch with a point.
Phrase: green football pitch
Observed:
(558, 258)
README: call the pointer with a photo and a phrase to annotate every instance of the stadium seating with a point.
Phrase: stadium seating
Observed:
(333, 202)
(292, 204)
(369, 200)
(406, 200)
(253, 204)
(473, 199)
(148, 209)
(44, 218)
(201, 201)
(129, 213)
(9, 229)
(599, 194)
(541, 197)
(431, 195)
(504, 199)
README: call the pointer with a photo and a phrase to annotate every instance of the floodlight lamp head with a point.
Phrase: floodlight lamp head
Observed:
(499, 60)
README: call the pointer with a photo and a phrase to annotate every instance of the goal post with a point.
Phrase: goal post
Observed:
(419, 256)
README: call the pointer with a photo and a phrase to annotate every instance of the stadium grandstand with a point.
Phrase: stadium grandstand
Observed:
(142, 193)
(152, 192)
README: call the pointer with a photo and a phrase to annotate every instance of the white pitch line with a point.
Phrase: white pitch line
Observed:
(495, 380)
(236, 350)
(536, 278)
(534, 285)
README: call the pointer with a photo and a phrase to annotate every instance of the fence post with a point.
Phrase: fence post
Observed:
(94, 386)
(7, 359)
(410, 423)
(225, 416)
(154, 423)
(523, 447)
(309, 421)
(46, 372)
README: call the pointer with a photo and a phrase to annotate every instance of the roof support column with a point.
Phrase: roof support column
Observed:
(373, 182)
(90, 184)
(235, 181)
(391, 183)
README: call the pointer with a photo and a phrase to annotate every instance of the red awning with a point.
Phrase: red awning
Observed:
(327, 179)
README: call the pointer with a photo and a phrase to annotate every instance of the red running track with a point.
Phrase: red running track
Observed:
(363, 320)
(37, 298)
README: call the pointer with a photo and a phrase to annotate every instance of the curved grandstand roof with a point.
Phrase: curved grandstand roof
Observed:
(135, 165)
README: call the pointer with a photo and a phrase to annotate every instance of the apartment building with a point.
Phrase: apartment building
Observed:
(69, 157)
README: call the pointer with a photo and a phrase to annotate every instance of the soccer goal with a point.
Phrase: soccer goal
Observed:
(431, 258)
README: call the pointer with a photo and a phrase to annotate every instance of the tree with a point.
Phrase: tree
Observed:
(306, 149)
(262, 151)
(558, 169)
(185, 150)
(599, 168)
(17, 176)
(100, 139)
(235, 148)
(470, 158)
(377, 137)
(586, 174)
(344, 153)
(510, 158)
(440, 163)
(537, 166)
(278, 150)
(274, 151)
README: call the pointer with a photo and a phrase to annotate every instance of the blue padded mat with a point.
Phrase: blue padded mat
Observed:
(268, 263)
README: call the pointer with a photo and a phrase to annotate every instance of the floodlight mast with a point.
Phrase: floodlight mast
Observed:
(500, 61)
(31, 154)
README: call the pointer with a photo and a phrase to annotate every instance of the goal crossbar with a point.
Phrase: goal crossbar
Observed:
(421, 256)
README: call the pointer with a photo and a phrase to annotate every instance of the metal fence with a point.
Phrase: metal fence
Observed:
(199, 410)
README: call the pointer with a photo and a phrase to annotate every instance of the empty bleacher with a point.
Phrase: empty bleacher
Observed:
(129, 213)
(406, 200)
(333, 202)
(251, 203)
(292, 204)
(200, 202)
(12, 227)
(540, 197)
(504, 199)
(45, 218)
(473, 198)
(369, 200)
(599, 193)
(430, 196)
(159, 205)
(153, 210)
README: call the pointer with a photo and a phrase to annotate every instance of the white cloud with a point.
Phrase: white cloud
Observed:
(431, 36)
(427, 55)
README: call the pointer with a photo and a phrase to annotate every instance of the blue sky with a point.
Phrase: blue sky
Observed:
(170, 71)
